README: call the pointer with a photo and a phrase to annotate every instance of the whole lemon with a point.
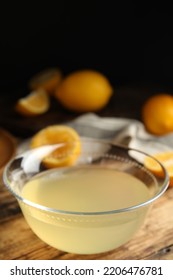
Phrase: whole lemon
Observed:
(84, 91)
(157, 114)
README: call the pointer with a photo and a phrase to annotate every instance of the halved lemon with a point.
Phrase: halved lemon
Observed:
(47, 79)
(36, 103)
(166, 158)
(67, 153)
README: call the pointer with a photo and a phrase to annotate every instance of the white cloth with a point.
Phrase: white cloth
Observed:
(128, 132)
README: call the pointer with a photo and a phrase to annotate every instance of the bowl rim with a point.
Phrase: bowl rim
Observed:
(97, 213)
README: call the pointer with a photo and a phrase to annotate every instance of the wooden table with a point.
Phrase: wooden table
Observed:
(154, 241)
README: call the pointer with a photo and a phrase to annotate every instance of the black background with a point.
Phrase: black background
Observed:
(127, 42)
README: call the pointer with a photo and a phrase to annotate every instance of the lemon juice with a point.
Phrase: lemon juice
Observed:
(77, 202)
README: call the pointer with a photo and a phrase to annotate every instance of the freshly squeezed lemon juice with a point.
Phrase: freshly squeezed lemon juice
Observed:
(84, 190)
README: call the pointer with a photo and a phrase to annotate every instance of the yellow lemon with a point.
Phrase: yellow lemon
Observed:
(67, 153)
(36, 103)
(157, 114)
(84, 91)
(47, 79)
(166, 158)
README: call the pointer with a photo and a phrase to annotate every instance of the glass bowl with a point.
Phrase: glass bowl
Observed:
(94, 206)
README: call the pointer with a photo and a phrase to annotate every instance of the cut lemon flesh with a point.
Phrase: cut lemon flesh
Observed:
(37, 102)
(67, 153)
(166, 158)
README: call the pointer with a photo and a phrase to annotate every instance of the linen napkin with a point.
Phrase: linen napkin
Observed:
(128, 132)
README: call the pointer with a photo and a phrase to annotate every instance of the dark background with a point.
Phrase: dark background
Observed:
(129, 43)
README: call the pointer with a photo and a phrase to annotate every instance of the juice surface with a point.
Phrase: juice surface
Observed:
(86, 189)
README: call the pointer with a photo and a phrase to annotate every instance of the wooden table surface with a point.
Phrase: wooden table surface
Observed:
(154, 240)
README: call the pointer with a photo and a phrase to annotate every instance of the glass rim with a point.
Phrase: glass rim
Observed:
(163, 187)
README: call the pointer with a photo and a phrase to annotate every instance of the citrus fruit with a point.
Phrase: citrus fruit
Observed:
(66, 154)
(36, 103)
(166, 158)
(157, 114)
(47, 79)
(84, 91)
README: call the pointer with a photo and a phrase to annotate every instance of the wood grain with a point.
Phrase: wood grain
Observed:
(154, 241)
